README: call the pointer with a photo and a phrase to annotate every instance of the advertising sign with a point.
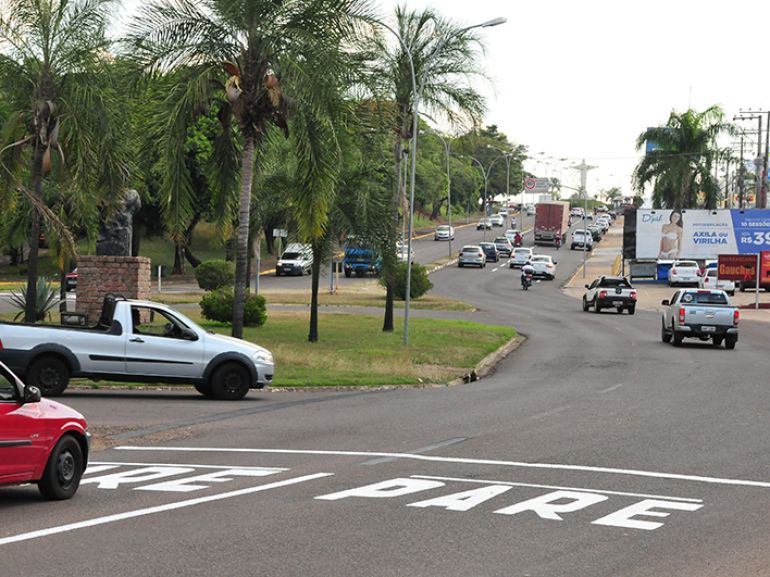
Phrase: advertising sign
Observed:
(737, 267)
(764, 267)
(704, 234)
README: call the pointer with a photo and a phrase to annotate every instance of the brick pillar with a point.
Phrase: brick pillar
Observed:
(128, 276)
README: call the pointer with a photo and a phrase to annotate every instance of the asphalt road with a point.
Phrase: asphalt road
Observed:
(594, 450)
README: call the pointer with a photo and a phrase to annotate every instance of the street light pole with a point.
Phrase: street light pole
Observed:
(416, 97)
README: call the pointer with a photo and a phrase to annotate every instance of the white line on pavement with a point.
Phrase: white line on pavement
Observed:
(466, 461)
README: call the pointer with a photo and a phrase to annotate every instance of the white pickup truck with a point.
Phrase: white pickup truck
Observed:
(135, 341)
(702, 314)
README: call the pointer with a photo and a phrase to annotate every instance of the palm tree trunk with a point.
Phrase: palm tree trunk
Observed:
(387, 257)
(242, 247)
(30, 312)
(316, 272)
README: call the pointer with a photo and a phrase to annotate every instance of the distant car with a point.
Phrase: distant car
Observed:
(596, 232)
(71, 280)
(402, 250)
(484, 223)
(472, 255)
(581, 238)
(610, 292)
(709, 280)
(544, 266)
(520, 256)
(503, 212)
(444, 232)
(41, 441)
(490, 250)
(497, 220)
(514, 236)
(576, 211)
(504, 246)
(684, 272)
(296, 259)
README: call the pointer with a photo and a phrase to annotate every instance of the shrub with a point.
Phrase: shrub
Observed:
(214, 274)
(218, 306)
(420, 283)
(46, 298)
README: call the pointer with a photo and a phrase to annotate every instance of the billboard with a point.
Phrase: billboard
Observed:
(737, 267)
(667, 234)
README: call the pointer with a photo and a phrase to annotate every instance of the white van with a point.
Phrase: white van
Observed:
(297, 259)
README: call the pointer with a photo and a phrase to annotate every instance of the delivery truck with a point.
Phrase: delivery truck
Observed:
(551, 222)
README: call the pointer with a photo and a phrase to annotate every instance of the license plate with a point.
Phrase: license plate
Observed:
(708, 329)
(617, 303)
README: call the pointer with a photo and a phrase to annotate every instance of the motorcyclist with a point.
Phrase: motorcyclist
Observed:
(527, 272)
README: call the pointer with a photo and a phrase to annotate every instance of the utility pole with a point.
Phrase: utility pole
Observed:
(760, 162)
(584, 168)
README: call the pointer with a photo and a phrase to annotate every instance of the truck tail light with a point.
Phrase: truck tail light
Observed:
(1, 344)
(602, 294)
(681, 315)
(736, 318)
(633, 295)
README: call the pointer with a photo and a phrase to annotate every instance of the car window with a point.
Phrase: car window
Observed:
(7, 388)
(704, 298)
(686, 263)
(615, 282)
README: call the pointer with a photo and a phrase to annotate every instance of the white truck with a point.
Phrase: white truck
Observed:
(135, 341)
(702, 314)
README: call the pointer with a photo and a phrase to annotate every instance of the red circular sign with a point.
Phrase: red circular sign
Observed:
(530, 183)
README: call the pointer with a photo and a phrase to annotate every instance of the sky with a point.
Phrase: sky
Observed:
(581, 79)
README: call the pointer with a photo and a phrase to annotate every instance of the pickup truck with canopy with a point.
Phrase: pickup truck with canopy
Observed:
(702, 314)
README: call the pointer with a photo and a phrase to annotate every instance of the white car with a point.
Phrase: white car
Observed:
(444, 232)
(472, 254)
(710, 280)
(544, 266)
(497, 220)
(520, 256)
(402, 250)
(684, 272)
(582, 238)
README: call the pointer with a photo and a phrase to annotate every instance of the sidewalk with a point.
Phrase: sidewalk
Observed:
(605, 260)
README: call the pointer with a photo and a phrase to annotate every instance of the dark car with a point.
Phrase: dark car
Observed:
(596, 232)
(41, 441)
(490, 250)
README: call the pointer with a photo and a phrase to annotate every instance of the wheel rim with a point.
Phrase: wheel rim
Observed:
(66, 468)
(233, 382)
(49, 378)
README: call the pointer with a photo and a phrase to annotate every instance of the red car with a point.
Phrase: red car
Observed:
(41, 441)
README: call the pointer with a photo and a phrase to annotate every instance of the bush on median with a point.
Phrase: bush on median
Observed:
(218, 306)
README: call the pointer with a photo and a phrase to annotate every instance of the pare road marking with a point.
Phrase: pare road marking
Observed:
(550, 506)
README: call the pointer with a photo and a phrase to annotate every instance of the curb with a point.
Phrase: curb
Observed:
(488, 364)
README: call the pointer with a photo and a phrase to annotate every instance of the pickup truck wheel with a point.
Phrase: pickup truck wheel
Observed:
(677, 339)
(665, 336)
(204, 389)
(50, 375)
(597, 308)
(632, 310)
(716, 341)
(585, 305)
(230, 382)
(63, 470)
(730, 342)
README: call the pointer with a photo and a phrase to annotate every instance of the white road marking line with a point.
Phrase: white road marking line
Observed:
(584, 490)
(133, 464)
(550, 413)
(427, 449)
(467, 461)
(612, 388)
(158, 509)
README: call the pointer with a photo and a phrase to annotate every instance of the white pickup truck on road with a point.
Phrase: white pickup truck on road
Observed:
(135, 341)
(702, 314)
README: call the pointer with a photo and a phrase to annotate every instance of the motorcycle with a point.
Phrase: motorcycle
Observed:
(526, 281)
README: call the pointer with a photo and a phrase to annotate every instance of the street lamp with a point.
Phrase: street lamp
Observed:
(416, 96)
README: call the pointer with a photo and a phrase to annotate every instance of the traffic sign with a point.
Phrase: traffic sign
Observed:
(532, 184)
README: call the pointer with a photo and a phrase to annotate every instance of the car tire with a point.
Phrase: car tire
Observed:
(277, 272)
(717, 341)
(731, 293)
(632, 310)
(597, 308)
(459, 265)
(49, 374)
(665, 336)
(347, 274)
(65, 466)
(230, 382)
(676, 339)
(730, 341)
(204, 389)
(585, 305)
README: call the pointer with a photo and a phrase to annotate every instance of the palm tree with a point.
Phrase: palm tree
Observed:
(682, 160)
(445, 57)
(256, 62)
(53, 72)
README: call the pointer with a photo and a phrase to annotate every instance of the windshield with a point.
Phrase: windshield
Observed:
(291, 256)
(705, 298)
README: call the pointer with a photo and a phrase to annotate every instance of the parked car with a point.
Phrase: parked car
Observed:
(472, 255)
(497, 220)
(41, 441)
(684, 272)
(709, 280)
(544, 266)
(610, 292)
(514, 236)
(71, 280)
(490, 250)
(581, 238)
(444, 232)
(701, 314)
(520, 256)
(596, 232)
(484, 223)
(504, 246)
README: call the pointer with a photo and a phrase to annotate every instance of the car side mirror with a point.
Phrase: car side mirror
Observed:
(664, 302)
(189, 335)
(587, 286)
(556, 262)
(32, 394)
